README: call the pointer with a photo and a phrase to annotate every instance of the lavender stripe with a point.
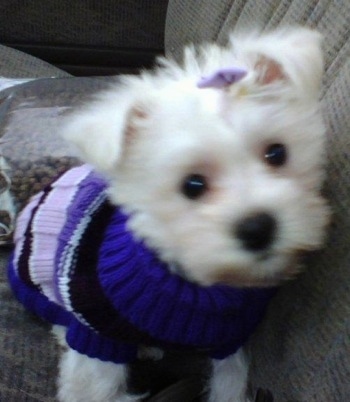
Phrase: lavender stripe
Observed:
(47, 224)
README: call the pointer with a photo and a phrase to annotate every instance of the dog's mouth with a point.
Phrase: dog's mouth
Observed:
(265, 256)
(242, 279)
(268, 270)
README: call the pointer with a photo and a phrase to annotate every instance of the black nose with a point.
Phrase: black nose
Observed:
(256, 232)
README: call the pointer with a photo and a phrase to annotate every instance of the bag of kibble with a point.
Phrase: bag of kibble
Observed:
(32, 153)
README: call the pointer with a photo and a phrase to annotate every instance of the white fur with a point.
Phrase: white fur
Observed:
(78, 372)
(83, 379)
(149, 132)
(229, 380)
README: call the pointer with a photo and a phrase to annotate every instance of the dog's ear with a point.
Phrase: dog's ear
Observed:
(101, 131)
(291, 56)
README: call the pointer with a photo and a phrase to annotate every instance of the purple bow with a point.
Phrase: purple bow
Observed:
(222, 78)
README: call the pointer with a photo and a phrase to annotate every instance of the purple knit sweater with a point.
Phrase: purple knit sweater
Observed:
(76, 264)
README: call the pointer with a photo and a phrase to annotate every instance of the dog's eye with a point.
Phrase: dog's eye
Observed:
(276, 155)
(194, 186)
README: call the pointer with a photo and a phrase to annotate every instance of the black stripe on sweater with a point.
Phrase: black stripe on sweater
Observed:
(86, 294)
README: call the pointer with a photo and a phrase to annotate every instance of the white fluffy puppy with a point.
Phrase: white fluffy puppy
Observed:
(223, 180)
(254, 146)
(218, 163)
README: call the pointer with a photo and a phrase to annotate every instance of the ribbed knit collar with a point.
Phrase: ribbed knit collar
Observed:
(166, 306)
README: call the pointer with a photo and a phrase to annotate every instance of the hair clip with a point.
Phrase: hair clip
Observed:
(222, 78)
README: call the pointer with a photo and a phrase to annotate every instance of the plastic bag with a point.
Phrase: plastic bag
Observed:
(32, 153)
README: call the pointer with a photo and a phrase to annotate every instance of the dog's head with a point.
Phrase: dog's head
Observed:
(224, 182)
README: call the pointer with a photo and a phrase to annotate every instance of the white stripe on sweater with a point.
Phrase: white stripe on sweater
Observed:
(67, 262)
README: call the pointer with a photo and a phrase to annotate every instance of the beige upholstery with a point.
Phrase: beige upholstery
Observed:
(15, 64)
(302, 350)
